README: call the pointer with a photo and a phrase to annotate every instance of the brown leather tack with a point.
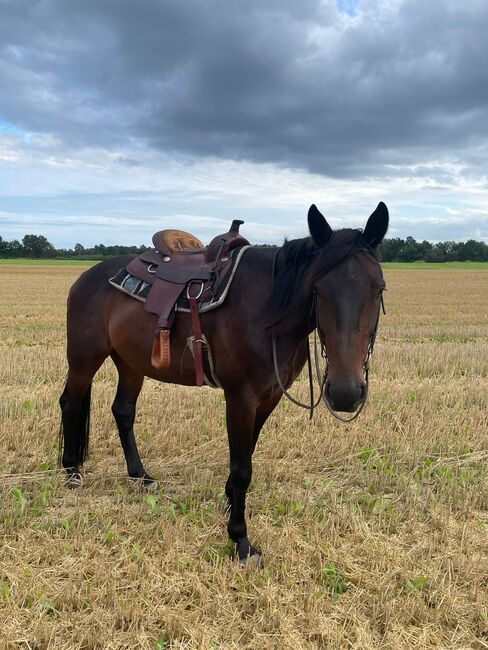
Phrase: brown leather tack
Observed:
(197, 345)
(178, 263)
(161, 355)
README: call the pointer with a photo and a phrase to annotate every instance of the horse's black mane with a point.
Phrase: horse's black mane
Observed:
(299, 265)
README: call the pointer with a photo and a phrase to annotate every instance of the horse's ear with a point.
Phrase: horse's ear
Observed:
(318, 226)
(377, 226)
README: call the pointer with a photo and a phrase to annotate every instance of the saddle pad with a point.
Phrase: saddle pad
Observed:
(139, 289)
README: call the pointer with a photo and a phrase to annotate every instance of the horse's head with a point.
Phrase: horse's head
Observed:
(348, 285)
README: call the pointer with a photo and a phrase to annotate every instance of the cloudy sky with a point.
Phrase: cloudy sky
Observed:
(118, 118)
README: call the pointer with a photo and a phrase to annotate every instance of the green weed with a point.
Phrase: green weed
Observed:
(5, 590)
(20, 500)
(333, 579)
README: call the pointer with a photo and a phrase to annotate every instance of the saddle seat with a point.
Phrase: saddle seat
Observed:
(176, 241)
(180, 265)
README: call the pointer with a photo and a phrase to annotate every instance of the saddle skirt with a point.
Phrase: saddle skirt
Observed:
(180, 274)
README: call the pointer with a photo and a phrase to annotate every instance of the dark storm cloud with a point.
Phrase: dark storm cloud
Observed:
(295, 83)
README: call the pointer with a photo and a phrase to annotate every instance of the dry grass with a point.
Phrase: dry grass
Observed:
(374, 534)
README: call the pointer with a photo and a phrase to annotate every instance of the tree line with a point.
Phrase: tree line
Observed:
(391, 250)
(409, 250)
(37, 247)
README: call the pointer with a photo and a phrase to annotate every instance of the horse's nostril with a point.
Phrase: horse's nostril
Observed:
(363, 391)
(328, 394)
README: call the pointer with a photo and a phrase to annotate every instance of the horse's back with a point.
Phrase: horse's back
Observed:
(97, 276)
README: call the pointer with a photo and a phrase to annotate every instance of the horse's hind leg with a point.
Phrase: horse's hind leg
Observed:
(124, 410)
(75, 419)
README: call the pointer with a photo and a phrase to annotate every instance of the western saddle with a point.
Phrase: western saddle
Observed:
(180, 266)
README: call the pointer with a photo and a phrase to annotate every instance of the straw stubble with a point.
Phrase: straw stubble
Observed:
(374, 534)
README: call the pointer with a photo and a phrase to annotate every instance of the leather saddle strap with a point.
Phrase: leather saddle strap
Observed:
(161, 355)
(197, 334)
(161, 301)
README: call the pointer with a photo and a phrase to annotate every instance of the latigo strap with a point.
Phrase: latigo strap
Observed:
(197, 334)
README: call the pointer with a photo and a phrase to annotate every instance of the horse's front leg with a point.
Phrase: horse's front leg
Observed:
(263, 411)
(241, 411)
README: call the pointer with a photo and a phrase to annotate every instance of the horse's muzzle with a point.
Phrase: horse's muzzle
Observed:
(345, 396)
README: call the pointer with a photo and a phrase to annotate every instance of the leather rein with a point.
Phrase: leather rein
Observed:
(322, 377)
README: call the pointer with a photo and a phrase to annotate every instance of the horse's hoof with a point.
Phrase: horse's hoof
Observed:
(247, 555)
(150, 486)
(74, 480)
(145, 483)
(254, 561)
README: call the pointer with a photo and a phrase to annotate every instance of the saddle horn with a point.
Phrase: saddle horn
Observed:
(236, 225)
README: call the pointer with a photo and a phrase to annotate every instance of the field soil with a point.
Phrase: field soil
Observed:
(374, 534)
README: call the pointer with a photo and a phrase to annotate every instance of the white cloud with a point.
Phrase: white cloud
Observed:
(111, 131)
(89, 195)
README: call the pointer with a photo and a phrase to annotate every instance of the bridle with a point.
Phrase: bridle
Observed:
(322, 377)
(323, 351)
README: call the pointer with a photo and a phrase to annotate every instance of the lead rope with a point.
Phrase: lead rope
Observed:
(309, 407)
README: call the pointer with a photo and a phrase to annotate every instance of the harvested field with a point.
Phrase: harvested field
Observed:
(374, 534)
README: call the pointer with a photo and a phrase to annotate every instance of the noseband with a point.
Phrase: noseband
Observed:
(322, 377)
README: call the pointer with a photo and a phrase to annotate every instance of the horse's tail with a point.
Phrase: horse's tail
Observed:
(81, 426)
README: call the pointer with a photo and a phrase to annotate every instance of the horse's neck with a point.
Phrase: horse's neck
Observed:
(254, 283)
(300, 316)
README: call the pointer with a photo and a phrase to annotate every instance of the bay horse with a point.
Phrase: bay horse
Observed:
(331, 281)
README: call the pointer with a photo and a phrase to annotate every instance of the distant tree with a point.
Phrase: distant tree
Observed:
(475, 251)
(426, 247)
(435, 254)
(455, 251)
(449, 249)
(37, 246)
(15, 249)
(79, 249)
(390, 248)
(410, 251)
